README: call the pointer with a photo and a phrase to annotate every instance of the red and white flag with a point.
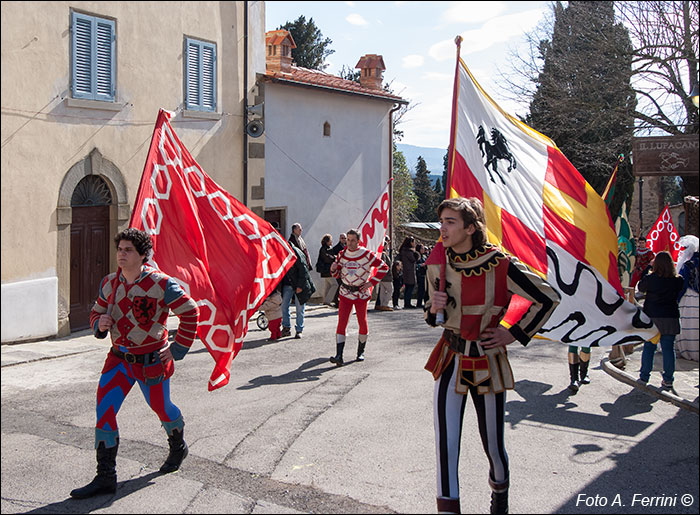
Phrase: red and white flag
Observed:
(374, 225)
(223, 255)
(664, 236)
(540, 209)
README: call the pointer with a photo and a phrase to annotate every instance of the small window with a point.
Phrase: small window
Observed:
(200, 75)
(93, 63)
(326, 129)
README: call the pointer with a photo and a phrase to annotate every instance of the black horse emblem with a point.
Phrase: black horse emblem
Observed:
(144, 309)
(494, 150)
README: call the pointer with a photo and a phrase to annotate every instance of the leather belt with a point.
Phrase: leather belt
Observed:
(455, 342)
(350, 288)
(135, 358)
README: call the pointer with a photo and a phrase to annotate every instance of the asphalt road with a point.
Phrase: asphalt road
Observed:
(292, 433)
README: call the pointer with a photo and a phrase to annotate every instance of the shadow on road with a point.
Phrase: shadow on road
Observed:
(556, 410)
(98, 502)
(305, 373)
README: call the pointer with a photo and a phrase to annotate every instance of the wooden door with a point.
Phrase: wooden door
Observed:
(89, 261)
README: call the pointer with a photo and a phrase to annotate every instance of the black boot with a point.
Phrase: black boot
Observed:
(178, 452)
(445, 505)
(338, 358)
(583, 373)
(499, 501)
(573, 373)
(105, 481)
(361, 351)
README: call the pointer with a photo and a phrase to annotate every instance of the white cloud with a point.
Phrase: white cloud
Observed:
(472, 12)
(437, 76)
(356, 19)
(413, 61)
(496, 30)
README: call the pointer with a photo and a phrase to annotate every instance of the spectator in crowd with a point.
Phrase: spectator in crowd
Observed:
(323, 267)
(409, 257)
(342, 242)
(298, 241)
(272, 307)
(397, 278)
(420, 275)
(385, 288)
(688, 341)
(662, 286)
(296, 283)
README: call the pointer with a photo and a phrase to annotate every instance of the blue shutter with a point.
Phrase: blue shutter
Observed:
(200, 75)
(208, 77)
(192, 96)
(104, 60)
(82, 56)
(93, 57)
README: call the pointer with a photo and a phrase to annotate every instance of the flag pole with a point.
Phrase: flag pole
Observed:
(440, 316)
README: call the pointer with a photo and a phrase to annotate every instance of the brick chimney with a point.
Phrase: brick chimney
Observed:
(371, 69)
(279, 45)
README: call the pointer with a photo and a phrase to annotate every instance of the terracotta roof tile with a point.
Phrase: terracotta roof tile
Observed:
(323, 79)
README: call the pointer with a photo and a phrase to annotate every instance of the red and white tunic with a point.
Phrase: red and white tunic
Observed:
(355, 269)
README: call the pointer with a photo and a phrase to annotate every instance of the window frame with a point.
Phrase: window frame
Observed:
(200, 106)
(94, 49)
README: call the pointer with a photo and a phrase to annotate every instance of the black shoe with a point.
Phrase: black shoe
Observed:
(178, 452)
(361, 351)
(573, 386)
(499, 502)
(105, 481)
(286, 331)
(297, 335)
(338, 358)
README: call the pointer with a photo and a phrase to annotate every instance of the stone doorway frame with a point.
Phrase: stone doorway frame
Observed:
(119, 211)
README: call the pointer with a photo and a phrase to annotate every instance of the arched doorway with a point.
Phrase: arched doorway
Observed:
(89, 246)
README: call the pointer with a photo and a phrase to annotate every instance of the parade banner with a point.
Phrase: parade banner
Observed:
(541, 210)
(223, 255)
(374, 225)
(664, 236)
(627, 247)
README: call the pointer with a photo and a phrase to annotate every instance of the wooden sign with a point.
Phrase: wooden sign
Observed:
(666, 155)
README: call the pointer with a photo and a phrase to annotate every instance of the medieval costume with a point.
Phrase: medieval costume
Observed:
(479, 285)
(354, 270)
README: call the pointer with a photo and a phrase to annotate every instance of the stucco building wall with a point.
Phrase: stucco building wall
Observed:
(50, 141)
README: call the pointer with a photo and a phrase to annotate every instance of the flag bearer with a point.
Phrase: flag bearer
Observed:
(353, 266)
(470, 357)
(133, 306)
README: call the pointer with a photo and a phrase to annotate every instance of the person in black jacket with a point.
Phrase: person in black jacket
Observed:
(662, 287)
(420, 275)
(323, 267)
(296, 283)
(342, 242)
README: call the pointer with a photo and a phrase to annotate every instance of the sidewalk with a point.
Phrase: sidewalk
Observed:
(686, 381)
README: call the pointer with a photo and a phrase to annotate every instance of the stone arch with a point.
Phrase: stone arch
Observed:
(92, 164)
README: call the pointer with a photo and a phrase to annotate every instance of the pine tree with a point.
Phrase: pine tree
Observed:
(584, 100)
(425, 211)
(312, 49)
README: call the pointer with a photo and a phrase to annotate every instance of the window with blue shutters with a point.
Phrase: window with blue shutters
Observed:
(93, 51)
(200, 75)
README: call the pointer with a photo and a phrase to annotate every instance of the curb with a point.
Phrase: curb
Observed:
(664, 395)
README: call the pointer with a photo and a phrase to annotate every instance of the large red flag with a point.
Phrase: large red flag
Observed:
(664, 236)
(226, 257)
(540, 209)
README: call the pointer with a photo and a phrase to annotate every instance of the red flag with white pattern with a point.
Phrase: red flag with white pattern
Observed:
(664, 236)
(223, 255)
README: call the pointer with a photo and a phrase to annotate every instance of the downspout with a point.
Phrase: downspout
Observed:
(391, 176)
(245, 103)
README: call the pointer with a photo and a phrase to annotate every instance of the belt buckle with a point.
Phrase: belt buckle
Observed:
(129, 357)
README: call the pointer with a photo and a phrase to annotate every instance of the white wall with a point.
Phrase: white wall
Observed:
(29, 309)
(326, 183)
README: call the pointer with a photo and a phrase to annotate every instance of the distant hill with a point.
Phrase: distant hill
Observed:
(433, 158)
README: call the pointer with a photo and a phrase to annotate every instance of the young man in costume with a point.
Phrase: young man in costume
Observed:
(470, 357)
(133, 306)
(353, 266)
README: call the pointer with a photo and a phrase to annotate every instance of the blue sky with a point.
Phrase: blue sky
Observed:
(416, 40)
